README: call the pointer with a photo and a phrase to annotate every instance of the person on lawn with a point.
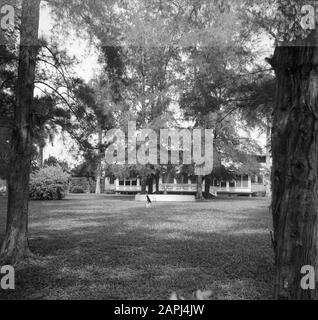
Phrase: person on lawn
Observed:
(149, 202)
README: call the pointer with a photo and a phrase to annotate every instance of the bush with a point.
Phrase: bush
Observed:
(79, 183)
(49, 183)
(109, 191)
(92, 186)
(87, 184)
(3, 188)
(77, 189)
(3, 191)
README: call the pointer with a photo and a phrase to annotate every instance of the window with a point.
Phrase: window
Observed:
(216, 183)
(193, 180)
(223, 184)
(245, 181)
(127, 183)
(261, 159)
(121, 182)
(182, 178)
(167, 179)
(112, 180)
(238, 181)
(134, 183)
(179, 179)
(232, 184)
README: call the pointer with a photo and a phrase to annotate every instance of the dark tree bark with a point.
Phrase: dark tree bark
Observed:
(268, 161)
(295, 166)
(41, 156)
(207, 187)
(150, 185)
(99, 164)
(15, 245)
(199, 188)
(157, 180)
(143, 185)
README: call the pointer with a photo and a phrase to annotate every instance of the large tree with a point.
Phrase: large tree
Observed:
(144, 39)
(15, 245)
(294, 144)
(257, 95)
(211, 99)
(295, 167)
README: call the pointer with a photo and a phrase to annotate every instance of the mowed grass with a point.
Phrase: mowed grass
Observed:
(108, 247)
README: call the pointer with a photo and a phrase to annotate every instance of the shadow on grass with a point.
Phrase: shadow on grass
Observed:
(104, 248)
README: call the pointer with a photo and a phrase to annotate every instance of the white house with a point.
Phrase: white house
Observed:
(241, 185)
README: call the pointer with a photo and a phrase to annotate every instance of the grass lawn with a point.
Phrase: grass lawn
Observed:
(108, 247)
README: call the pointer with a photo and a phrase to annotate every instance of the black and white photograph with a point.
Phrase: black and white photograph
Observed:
(158, 150)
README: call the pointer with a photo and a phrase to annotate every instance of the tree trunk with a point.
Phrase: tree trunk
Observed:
(15, 245)
(157, 178)
(99, 165)
(91, 185)
(295, 155)
(268, 178)
(150, 185)
(143, 185)
(207, 187)
(41, 156)
(7, 185)
(199, 188)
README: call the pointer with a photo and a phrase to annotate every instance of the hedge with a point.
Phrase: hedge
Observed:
(49, 183)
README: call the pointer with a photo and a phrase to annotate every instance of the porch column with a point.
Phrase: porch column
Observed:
(107, 183)
(175, 184)
(116, 185)
(249, 183)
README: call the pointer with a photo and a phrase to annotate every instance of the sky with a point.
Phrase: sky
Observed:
(88, 66)
(81, 49)
(85, 69)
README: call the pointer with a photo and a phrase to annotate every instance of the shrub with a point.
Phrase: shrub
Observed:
(92, 186)
(3, 191)
(49, 183)
(77, 189)
(79, 183)
(88, 185)
(3, 188)
(109, 191)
